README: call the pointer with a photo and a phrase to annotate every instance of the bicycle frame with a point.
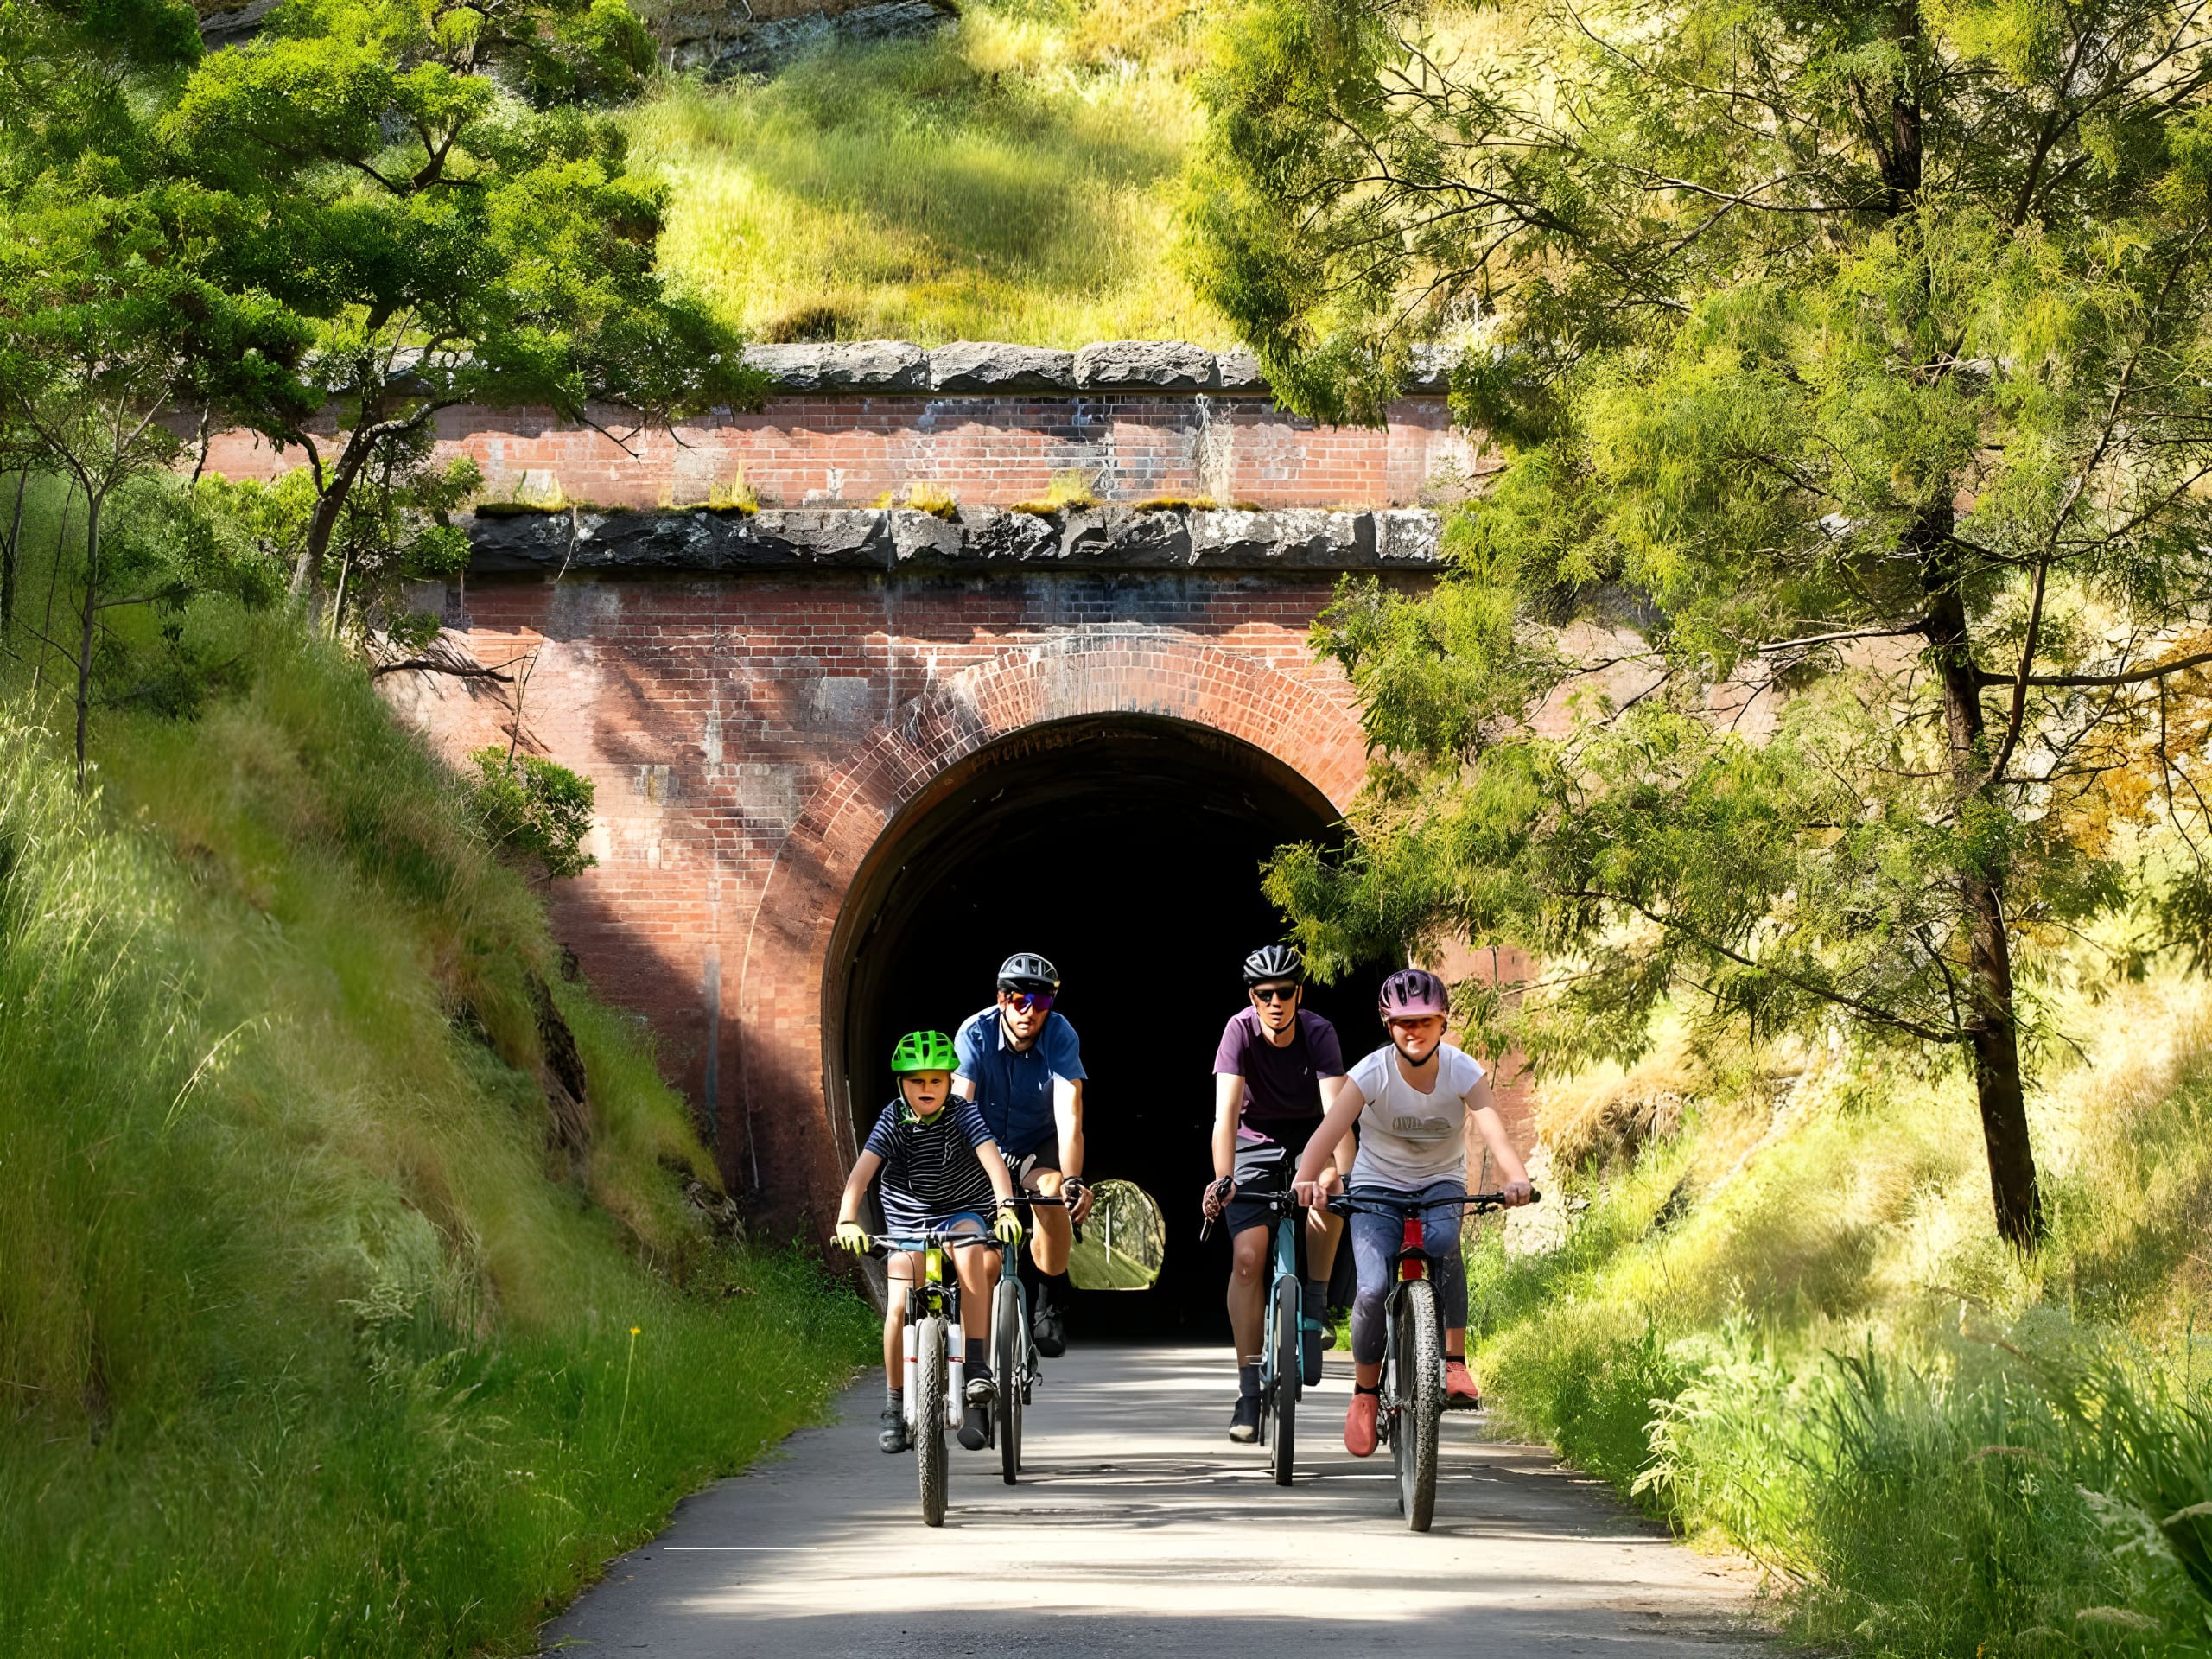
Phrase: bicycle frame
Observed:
(934, 1292)
(1413, 1262)
(1286, 1267)
(1010, 1267)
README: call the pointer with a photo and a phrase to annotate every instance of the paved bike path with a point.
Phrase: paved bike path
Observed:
(1140, 1530)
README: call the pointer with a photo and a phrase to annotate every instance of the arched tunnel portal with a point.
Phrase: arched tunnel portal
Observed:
(1126, 847)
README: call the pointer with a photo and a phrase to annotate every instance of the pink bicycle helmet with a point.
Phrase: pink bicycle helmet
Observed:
(1411, 992)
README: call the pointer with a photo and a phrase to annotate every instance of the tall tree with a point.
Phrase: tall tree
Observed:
(1853, 354)
(453, 242)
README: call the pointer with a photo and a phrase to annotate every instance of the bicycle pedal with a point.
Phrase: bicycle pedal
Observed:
(1463, 1405)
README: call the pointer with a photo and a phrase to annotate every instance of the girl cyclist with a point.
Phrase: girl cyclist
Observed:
(1419, 1102)
(941, 1172)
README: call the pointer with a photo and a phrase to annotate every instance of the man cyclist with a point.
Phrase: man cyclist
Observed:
(1276, 1072)
(1022, 1065)
(1421, 1104)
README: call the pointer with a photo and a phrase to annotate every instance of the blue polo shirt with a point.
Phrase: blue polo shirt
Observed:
(1013, 1086)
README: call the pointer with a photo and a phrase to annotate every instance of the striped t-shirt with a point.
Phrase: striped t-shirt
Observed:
(930, 1170)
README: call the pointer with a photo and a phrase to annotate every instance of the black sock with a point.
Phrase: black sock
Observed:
(1317, 1298)
(978, 1349)
(1248, 1380)
(894, 1399)
(1052, 1290)
(1361, 1388)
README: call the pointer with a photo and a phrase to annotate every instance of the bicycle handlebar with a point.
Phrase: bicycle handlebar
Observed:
(1280, 1203)
(1347, 1204)
(888, 1244)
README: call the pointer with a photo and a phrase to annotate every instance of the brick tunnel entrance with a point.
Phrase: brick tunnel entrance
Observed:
(1127, 849)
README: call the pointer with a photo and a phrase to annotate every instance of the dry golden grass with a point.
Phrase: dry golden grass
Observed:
(1824, 1192)
(1606, 1113)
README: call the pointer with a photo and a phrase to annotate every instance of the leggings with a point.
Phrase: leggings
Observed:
(1375, 1240)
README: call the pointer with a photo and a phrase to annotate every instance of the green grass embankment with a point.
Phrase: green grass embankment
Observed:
(1013, 177)
(312, 1341)
(1786, 1326)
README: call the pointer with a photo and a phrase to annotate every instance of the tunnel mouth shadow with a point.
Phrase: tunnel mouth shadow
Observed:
(1128, 849)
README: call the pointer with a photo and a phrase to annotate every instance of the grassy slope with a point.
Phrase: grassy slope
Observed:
(1012, 178)
(1790, 1326)
(307, 1342)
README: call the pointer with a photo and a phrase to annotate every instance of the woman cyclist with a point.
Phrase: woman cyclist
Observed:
(941, 1172)
(1419, 1102)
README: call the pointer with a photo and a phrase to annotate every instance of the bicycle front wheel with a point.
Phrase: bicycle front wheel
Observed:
(1420, 1402)
(1008, 1357)
(1287, 1309)
(929, 1419)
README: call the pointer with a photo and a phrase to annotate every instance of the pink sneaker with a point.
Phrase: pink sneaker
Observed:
(1459, 1383)
(1359, 1425)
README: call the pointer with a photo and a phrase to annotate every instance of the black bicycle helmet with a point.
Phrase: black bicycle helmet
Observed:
(1274, 962)
(1028, 972)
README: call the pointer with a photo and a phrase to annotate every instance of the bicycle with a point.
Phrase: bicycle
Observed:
(935, 1379)
(1412, 1407)
(1282, 1379)
(1014, 1357)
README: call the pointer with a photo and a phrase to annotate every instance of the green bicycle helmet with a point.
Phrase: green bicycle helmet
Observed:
(924, 1051)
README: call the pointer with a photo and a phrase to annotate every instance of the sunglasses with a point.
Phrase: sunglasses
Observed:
(1274, 993)
(1026, 1003)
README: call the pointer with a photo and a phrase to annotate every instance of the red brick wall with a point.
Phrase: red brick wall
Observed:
(750, 739)
(987, 451)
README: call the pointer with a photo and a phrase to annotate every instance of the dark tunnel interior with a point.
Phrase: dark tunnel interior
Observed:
(1127, 850)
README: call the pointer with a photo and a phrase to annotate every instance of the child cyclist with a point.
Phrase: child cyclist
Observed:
(1419, 1102)
(941, 1172)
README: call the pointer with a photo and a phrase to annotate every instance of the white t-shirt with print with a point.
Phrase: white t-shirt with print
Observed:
(1408, 1140)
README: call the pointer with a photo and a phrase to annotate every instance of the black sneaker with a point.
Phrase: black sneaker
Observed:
(893, 1437)
(976, 1426)
(1244, 1427)
(1047, 1332)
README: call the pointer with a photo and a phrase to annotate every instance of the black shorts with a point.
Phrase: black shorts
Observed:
(1263, 1168)
(1038, 1160)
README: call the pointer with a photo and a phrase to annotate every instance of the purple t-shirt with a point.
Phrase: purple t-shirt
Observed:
(1282, 1086)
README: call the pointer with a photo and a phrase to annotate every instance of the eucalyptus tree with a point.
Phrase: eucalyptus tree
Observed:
(420, 184)
(1849, 359)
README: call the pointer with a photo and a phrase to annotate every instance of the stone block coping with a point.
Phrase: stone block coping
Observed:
(983, 366)
(973, 539)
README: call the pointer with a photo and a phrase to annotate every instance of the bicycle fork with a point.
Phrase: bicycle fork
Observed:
(946, 1299)
(1412, 1253)
(1412, 1266)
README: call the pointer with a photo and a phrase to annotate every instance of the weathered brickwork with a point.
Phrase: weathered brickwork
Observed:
(987, 451)
(759, 697)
